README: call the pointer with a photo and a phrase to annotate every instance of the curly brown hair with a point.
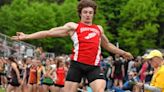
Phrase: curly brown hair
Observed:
(86, 3)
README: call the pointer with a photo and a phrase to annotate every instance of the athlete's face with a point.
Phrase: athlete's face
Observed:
(87, 14)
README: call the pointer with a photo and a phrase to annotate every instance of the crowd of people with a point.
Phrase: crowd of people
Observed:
(122, 75)
(49, 74)
(32, 74)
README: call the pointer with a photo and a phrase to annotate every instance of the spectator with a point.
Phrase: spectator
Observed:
(118, 71)
(157, 82)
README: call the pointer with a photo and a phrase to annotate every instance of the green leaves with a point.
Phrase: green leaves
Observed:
(136, 24)
(33, 16)
(138, 20)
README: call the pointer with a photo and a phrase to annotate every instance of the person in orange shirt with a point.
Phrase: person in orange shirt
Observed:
(155, 58)
(32, 82)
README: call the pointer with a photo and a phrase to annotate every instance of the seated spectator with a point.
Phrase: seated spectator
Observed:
(128, 85)
(133, 79)
(157, 83)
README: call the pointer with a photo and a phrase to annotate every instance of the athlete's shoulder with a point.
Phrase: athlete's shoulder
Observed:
(13, 64)
(72, 25)
(101, 28)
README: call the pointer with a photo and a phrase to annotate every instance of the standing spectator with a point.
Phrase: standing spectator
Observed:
(61, 74)
(131, 65)
(15, 80)
(149, 73)
(40, 69)
(3, 70)
(143, 70)
(48, 83)
(32, 81)
(118, 71)
(28, 65)
(108, 73)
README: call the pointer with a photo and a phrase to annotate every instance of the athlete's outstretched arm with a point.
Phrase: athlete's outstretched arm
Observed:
(54, 32)
(112, 48)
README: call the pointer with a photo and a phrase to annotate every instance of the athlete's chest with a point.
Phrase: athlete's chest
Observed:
(88, 33)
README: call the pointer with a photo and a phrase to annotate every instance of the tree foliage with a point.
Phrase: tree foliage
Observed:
(136, 24)
(138, 28)
(133, 23)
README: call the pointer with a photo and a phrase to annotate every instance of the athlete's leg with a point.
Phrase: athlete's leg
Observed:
(61, 89)
(96, 79)
(4, 81)
(25, 87)
(52, 88)
(57, 89)
(34, 88)
(40, 88)
(98, 85)
(120, 83)
(9, 88)
(70, 86)
(74, 77)
(45, 88)
(115, 82)
(29, 87)
(18, 89)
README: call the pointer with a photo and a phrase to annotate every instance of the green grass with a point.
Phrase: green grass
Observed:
(2, 90)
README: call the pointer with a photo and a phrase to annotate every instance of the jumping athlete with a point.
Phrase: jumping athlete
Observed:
(87, 38)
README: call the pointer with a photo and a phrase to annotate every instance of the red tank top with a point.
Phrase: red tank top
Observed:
(60, 72)
(33, 75)
(86, 41)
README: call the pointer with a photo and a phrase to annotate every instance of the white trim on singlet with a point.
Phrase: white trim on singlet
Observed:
(76, 45)
(98, 55)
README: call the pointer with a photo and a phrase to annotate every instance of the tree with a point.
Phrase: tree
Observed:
(110, 11)
(138, 28)
(3, 2)
(160, 21)
(28, 18)
(136, 24)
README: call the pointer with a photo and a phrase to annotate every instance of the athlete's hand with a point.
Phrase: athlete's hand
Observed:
(19, 36)
(127, 56)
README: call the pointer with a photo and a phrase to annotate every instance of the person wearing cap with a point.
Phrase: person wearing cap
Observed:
(155, 58)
